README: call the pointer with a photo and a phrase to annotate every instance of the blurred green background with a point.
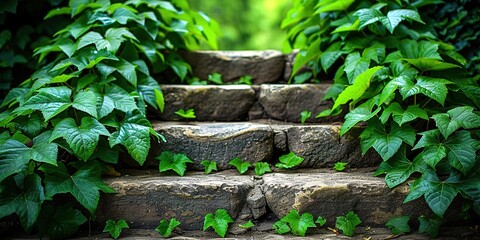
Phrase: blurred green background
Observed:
(247, 24)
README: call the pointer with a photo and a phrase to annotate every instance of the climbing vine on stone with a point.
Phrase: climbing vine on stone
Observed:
(419, 103)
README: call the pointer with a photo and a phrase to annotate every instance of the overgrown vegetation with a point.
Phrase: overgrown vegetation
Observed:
(397, 74)
(87, 102)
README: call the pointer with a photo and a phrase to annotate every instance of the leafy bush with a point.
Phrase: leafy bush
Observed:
(88, 102)
(410, 88)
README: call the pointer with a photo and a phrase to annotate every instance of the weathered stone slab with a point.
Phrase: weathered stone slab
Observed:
(144, 200)
(263, 66)
(220, 142)
(321, 147)
(334, 194)
(286, 102)
(211, 103)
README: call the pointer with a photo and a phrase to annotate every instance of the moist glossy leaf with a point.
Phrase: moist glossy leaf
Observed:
(411, 113)
(189, 113)
(355, 91)
(386, 143)
(24, 201)
(440, 196)
(82, 139)
(215, 78)
(176, 162)
(219, 222)
(67, 46)
(461, 151)
(127, 70)
(398, 169)
(328, 58)
(84, 184)
(422, 185)
(399, 225)
(262, 168)
(298, 224)
(86, 101)
(159, 99)
(118, 98)
(304, 116)
(430, 226)
(432, 155)
(43, 150)
(339, 166)
(180, 68)
(31, 125)
(165, 227)
(209, 166)
(471, 189)
(303, 57)
(50, 101)
(434, 88)
(454, 119)
(114, 38)
(394, 17)
(290, 160)
(13, 158)
(60, 222)
(413, 49)
(147, 88)
(115, 228)
(89, 38)
(281, 227)
(241, 166)
(348, 223)
(247, 225)
(359, 114)
(329, 6)
(427, 64)
(355, 65)
(134, 134)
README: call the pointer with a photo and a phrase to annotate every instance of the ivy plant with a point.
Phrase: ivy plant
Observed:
(249, 224)
(348, 223)
(166, 227)
(392, 71)
(187, 114)
(219, 222)
(294, 222)
(262, 168)
(114, 228)
(88, 101)
(339, 166)
(399, 225)
(289, 160)
(176, 162)
(209, 166)
(241, 166)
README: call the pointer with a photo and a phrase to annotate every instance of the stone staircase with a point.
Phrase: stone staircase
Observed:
(255, 123)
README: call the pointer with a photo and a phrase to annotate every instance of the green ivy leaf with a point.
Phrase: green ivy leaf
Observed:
(219, 222)
(281, 227)
(113, 39)
(401, 116)
(413, 49)
(25, 200)
(176, 162)
(115, 228)
(147, 88)
(159, 99)
(43, 150)
(89, 38)
(360, 113)
(189, 114)
(330, 6)
(470, 188)
(305, 56)
(321, 221)
(304, 116)
(134, 134)
(355, 65)
(454, 119)
(215, 78)
(461, 151)
(82, 139)
(84, 184)
(399, 225)
(86, 101)
(298, 224)
(434, 88)
(209, 166)
(386, 143)
(242, 167)
(12, 158)
(165, 227)
(355, 91)
(262, 168)
(247, 225)
(348, 223)
(115, 97)
(440, 196)
(427, 64)
(50, 101)
(290, 160)
(60, 222)
(339, 166)
(127, 70)
(430, 226)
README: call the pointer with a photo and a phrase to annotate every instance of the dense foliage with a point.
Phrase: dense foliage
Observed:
(86, 103)
(410, 87)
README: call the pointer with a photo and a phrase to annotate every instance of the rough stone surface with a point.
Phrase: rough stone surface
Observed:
(280, 141)
(321, 146)
(286, 102)
(263, 66)
(144, 200)
(334, 194)
(256, 202)
(220, 142)
(211, 103)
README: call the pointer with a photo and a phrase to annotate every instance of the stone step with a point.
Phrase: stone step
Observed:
(261, 141)
(242, 102)
(143, 200)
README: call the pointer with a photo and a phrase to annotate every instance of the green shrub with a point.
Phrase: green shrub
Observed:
(88, 102)
(410, 88)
